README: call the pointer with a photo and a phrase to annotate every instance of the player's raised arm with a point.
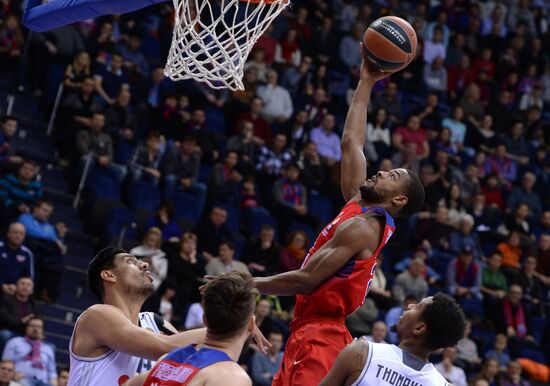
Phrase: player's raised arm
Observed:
(348, 365)
(352, 237)
(354, 163)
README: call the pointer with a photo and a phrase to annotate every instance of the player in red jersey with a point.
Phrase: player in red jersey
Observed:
(335, 275)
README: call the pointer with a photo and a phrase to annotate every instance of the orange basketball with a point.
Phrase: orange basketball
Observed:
(390, 43)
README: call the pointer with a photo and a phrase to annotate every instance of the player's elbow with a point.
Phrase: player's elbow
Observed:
(306, 286)
(346, 142)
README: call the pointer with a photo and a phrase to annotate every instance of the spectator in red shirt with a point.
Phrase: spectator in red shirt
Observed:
(484, 73)
(492, 191)
(295, 251)
(261, 127)
(412, 133)
(460, 76)
(269, 44)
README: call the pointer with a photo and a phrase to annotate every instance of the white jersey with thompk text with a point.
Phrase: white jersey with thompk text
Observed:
(112, 368)
(388, 365)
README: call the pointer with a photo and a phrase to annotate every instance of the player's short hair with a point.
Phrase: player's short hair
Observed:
(445, 322)
(228, 301)
(104, 259)
(414, 190)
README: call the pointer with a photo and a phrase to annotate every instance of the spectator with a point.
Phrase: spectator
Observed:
(411, 282)
(511, 252)
(472, 106)
(501, 164)
(150, 252)
(225, 262)
(513, 375)
(359, 323)
(500, 353)
(378, 133)
(542, 252)
(514, 319)
(99, 145)
(525, 194)
(264, 367)
(312, 171)
(435, 232)
(11, 44)
(33, 357)
(7, 373)
(466, 237)
(63, 378)
(18, 261)
(298, 132)
(109, 79)
(194, 318)
(19, 192)
(196, 127)
(327, 141)
(295, 78)
(489, 371)
(293, 255)
(272, 160)
(261, 128)
(543, 226)
(429, 273)
(412, 133)
(532, 288)
(77, 71)
(181, 171)
(457, 127)
(378, 333)
(349, 49)
(492, 190)
(464, 276)
(135, 61)
(435, 77)
(48, 246)
(277, 100)
(245, 143)
(452, 373)
(9, 163)
(145, 163)
(264, 320)
(77, 108)
(262, 254)
(257, 61)
(393, 315)
(121, 119)
(389, 100)
(466, 348)
(460, 79)
(212, 232)
(428, 113)
(493, 287)
(16, 310)
(318, 107)
(164, 220)
(287, 51)
(290, 200)
(226, 179)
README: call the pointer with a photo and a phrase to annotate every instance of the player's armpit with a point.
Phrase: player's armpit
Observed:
(348, 365)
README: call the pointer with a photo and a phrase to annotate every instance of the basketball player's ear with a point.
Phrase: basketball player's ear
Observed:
(400, 201)
(108, 276)
(204, 321)
(420, 329)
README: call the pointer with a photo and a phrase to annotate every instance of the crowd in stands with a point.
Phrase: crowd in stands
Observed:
(244, 180)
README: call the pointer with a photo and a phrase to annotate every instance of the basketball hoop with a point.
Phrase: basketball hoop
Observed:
(213, 38)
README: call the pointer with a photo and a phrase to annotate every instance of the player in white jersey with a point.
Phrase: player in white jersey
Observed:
(113, 341)
(434, 323)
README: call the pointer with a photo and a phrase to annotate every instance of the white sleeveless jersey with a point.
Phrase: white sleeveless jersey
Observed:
(112, 368)
(385, 367)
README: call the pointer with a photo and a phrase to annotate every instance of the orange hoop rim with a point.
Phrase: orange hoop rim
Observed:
(265, 1)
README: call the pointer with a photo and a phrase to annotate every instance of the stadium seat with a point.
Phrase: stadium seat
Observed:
(233, 217)
(119, 219)
(215, 121)
(321, 207)
(259, 217)
(472, 307)
(102, 184)
(533, 354)
(204, 173)
(185, 206)
(144, 195)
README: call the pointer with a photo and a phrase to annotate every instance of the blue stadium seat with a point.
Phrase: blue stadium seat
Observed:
(537, 327)
(144, 195)
(118, 219)
(215, 121)
(258, 218)
(124, 152)
(233, 217)
(102, 184)
(321, 207)
(472, 306)
(533, 354)
(186, 207)
(204, 173)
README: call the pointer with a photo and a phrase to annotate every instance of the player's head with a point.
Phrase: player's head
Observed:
(113, 269)
(399, 191)
(434, 323)
(228, 302)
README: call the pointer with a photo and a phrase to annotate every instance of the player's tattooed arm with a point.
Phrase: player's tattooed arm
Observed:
(348, 365)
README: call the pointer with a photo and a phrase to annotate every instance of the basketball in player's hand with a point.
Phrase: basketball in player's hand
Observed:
(390, 43)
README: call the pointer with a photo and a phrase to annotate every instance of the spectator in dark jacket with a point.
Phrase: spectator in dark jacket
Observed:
(145, 162)
(17, 309)
(212, 232)
(16, 261)
(164, 220)
(8, 162)
(226, 179)
(181, 171)
(262, 254)
(109, 79)
(525, 194)
(120, 118)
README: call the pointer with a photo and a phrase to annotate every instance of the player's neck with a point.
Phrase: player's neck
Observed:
(129, 305)
(415, 349)
(231, 346)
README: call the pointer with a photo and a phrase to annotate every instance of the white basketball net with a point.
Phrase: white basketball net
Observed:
(213, 38)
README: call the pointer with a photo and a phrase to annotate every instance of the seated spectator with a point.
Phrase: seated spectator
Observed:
(212, 232)
(421, 253)
(167, 292)
(290, 200)
(511, 252)
(532, 287)
(464, 276)
(492, 189)
(264, 320)
(295, 251)
(7, 373)
(9, 163)
(467, 353)
(434, 48)
(457, 207)
(225, 180)
(327, 141)
(194, 317)
(257, 61)
(435, 77)
(135, 62)
(393, 315)
(504, 167)
(493, 287)
(261, 128)
(483, 136)
(452, 373)
(186, 267)
(489, 372)
(378, 333)
(359, 322)
(11, 44)
(77, 71)
(542, 253)
(16, 310)
(99, 145)
(225, 261)
(19, 192)
(312, 171)
(460, 77)
(434, 233)
(33, 357)
(390, 101)
(245, 143)
(514, 320)
(412, 133)
(517, 145)
(277, 101)
(317, 107)
(197, 128)
(264, 367)
(46, 242)
(500, 352)
(378, 290)
(181, 171)
(294, 78)
(288, 51)
(18, 260)
(150, 252)
(349, 49)
(429, 114)
(109, 79)
(166, 118)
(63, 376)
(164, 220)
(542, 227)
(120, 119)
(525, 194)
(378, 132)
(513, 375)
(145, 163)
(466, 237)
(411, 282)
(272, 159)
(457, 127)
(262, 254)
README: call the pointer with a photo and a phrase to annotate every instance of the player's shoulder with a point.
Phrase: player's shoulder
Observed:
(356, 352)
(225, 373)
(100, 314)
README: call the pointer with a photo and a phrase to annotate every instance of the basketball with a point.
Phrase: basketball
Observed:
(390, 43)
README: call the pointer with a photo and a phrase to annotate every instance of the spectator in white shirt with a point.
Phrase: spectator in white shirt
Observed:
(378, 133)
(277, 101)
(150, 252)
(194, 317)
(327, 141)
(452, 373)
(378, 333)
(435, 48)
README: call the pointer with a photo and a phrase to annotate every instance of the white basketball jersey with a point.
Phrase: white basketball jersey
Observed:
(385, 366)
(112, 368)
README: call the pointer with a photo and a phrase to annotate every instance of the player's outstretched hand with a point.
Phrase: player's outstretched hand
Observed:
(369, 70)
(260, 340)
(207, 279)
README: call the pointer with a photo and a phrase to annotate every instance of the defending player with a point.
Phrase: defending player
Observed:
(228, 303)
(434, 323)
(336, 273)
(113, 341)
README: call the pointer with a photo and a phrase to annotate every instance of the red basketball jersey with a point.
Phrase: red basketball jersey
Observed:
(342, 294)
